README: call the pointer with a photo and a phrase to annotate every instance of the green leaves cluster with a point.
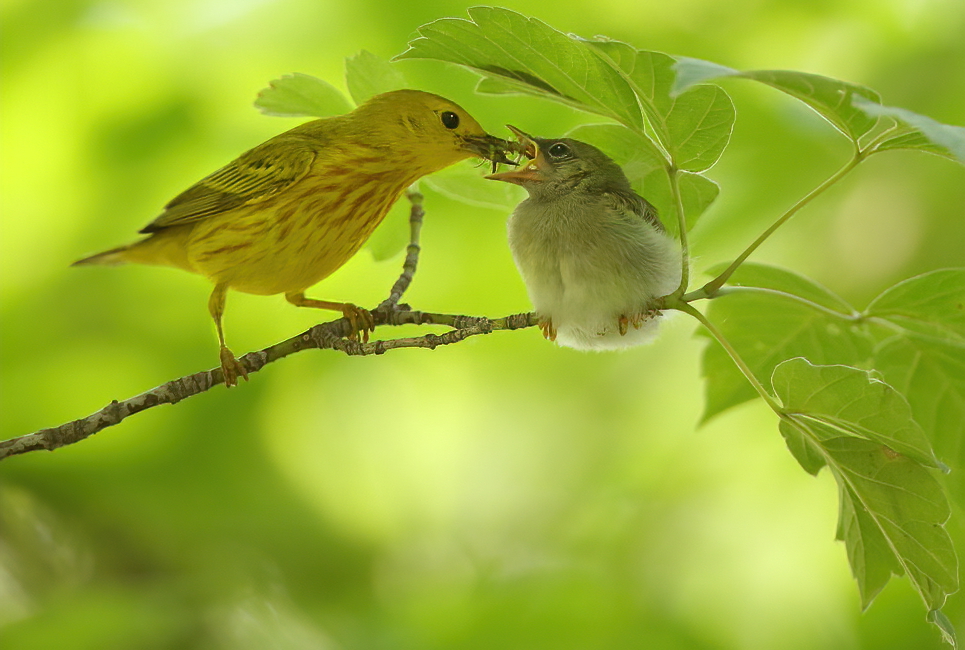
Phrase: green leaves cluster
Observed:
(868, 393)
(865, 393)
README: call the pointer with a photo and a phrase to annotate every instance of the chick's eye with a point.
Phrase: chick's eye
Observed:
(450, 120)
(559, 150)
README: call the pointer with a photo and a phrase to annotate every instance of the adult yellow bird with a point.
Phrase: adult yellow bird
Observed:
(289, 212)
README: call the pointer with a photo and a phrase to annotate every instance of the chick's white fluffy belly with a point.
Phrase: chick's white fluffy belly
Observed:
(586, 267)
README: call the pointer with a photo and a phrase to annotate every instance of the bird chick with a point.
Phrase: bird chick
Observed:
(592, 252)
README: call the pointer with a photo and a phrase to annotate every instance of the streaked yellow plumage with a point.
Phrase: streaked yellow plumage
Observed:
(289, 212)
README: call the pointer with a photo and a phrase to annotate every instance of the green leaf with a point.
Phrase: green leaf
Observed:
(638, 155)
(644, 165)
(300, 95)
(944, 139)
(650, 75)
(785, 316)
(689, 72)
(753, 274)
(694, 127)
(697, 193)
(852, 402)
(807, 454)
(916, 141)
(931, 376)
(464, 183)
(938, 618)
(699, 125)
(531, 56)
(892, 508)
(830, 98)
(367, 75)
(872, 561)
(931, 304)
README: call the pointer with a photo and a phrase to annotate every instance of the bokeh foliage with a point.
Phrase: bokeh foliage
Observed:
(505, 493)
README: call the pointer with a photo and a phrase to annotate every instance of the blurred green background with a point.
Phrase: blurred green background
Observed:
(501, 493)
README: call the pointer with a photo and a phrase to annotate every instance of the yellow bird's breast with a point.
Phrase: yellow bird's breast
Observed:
(298, 238)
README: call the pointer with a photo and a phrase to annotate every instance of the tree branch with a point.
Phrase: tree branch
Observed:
(331, 335)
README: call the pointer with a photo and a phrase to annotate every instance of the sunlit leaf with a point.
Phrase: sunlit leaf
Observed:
(830, 98)
(465, 183)
(753, 274)
(299, 95)
(700, 124)
(695, 126)
(852, 401)
(697, 193)
(636, 154)
(530, 55)
(367, 75)
(931, 375)
(872, 560)
(650, 74)
(944, 139)
(931, 304)
(689, 72)
(784, 316)
(916, 141)
(806, 452)
(892, 508)
(938, 618)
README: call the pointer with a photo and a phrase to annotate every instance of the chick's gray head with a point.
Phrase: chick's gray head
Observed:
(563, 165)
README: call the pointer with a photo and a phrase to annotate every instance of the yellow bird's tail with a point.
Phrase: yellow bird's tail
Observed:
(113, 257)
(165, 248)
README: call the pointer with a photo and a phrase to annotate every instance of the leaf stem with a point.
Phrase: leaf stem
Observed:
(732, 353)
(673, 173)
(712, 287)
(854, 316)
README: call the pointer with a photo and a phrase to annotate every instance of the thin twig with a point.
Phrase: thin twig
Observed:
(411, 254)
(330, 335)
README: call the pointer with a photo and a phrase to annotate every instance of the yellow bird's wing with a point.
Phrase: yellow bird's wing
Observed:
(255, 176)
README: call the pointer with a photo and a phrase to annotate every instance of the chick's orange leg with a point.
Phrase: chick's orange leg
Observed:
(230, 366)
(546, 326)
(360, 320)
(636, 320)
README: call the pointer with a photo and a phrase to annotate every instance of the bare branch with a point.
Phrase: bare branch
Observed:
(330, 335)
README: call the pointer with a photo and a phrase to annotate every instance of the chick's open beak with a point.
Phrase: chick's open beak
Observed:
(531, 172)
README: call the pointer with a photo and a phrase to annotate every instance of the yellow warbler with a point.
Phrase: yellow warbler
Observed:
(291, 211)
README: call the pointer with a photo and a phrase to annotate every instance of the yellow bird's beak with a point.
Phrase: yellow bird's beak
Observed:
(491, 148)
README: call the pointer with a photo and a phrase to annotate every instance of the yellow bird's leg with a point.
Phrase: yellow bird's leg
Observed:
(230, 367)
(546, 326)
(360, 320)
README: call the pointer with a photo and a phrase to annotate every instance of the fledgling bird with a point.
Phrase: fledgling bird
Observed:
(592, 252)
(292, 210)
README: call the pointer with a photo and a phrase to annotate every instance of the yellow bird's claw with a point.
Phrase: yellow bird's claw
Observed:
(549, 332)
(360, 321)
(231, 368)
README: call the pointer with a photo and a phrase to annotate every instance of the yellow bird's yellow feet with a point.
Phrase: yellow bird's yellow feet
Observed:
(231, 368)
(546, 326)
(361, 321)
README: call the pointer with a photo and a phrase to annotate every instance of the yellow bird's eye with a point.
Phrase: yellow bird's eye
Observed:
(450, 120)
